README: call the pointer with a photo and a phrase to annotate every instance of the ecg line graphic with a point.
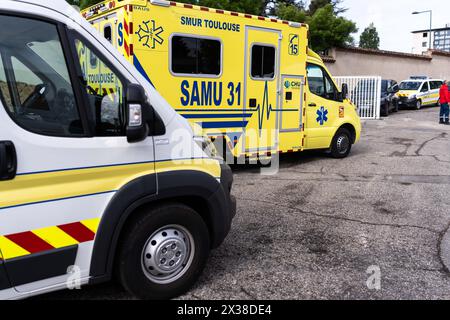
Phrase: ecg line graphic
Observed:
(266, 109)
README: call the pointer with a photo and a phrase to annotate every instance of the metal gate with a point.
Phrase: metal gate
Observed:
(365, 93)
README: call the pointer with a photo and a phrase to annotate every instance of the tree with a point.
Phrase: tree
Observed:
(86, 3)
(317, 4)
(329, 30)
(74, 2)
(291, 13)
(369, 38)
(274, 7)
(256, 7)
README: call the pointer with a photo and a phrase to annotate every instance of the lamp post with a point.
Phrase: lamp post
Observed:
(431, 21)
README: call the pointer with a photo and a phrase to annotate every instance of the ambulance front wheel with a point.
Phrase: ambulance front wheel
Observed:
(163, 252)
(342, 144)
(418, 105)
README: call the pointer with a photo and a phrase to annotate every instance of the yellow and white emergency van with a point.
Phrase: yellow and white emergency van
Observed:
(248, 81)
(96, 181)
(418, 92)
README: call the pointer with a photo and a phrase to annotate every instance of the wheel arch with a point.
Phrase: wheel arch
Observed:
(194, 189)
(350, 128)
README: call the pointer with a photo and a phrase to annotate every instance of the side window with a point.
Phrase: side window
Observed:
(432, 85)
(331, 91)
(34, 78)
(5, 94)
(27, 82)
(104, 91)
(196, 56)
(107, 33)
(425, 87)
(320, 83)
(263, 62)
(395, 87)
(315, 80)
(435, 85)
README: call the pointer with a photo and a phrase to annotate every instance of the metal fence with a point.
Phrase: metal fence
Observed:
(365, 93)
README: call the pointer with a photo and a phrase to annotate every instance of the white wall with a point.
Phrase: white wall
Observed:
(395, 66)
(418, 41)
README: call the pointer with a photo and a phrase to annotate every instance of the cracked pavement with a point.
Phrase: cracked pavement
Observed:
(313, 230)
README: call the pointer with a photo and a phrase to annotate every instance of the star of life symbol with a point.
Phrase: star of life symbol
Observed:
(322, 116)
(150, 35)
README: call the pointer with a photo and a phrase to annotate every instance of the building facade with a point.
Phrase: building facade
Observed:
(440, 40)
(390, 65)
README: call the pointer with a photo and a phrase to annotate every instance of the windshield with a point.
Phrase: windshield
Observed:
(410, 85)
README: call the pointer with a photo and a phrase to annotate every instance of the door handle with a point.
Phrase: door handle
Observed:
(8, 160)
(312, 105)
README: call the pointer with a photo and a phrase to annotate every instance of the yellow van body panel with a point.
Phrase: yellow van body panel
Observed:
(257, 116)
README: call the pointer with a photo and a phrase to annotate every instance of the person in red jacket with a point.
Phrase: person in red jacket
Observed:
(444, 99)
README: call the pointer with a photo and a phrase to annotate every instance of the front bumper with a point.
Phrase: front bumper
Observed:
(406, 102)
(226, 180)
(223, 205)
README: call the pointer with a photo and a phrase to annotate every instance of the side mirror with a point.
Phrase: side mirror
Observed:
(344, 91)
(137, 127)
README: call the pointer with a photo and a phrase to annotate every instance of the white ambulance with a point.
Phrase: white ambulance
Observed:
(96, 183)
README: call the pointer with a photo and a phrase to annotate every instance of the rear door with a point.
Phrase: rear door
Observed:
(434, 87)
(63, 151)
(262, 90)
(425, 94)
(291, 121)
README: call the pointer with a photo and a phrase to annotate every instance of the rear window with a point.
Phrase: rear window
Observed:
(263, 62)
(435, 85)
(107, 33)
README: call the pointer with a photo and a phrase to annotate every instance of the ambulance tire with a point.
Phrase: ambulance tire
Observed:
(385, 110)
(418, 104)
(341, 144)
(131, 261)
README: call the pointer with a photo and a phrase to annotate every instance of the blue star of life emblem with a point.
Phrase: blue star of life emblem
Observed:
(150, 35)
(322, 116)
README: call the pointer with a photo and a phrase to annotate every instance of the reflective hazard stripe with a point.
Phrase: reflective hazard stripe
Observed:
(49, 238)
(10, 249)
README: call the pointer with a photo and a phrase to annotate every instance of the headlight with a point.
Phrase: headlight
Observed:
(207, 146)
(412, 97)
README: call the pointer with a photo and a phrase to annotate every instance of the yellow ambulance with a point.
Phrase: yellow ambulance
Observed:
(250, 82)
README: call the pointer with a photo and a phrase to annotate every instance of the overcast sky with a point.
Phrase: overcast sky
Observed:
(394, 20)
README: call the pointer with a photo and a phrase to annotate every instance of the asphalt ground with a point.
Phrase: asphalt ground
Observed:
(366, 227)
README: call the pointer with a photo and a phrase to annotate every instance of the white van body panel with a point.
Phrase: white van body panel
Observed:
(41, 156)
(47, 154)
